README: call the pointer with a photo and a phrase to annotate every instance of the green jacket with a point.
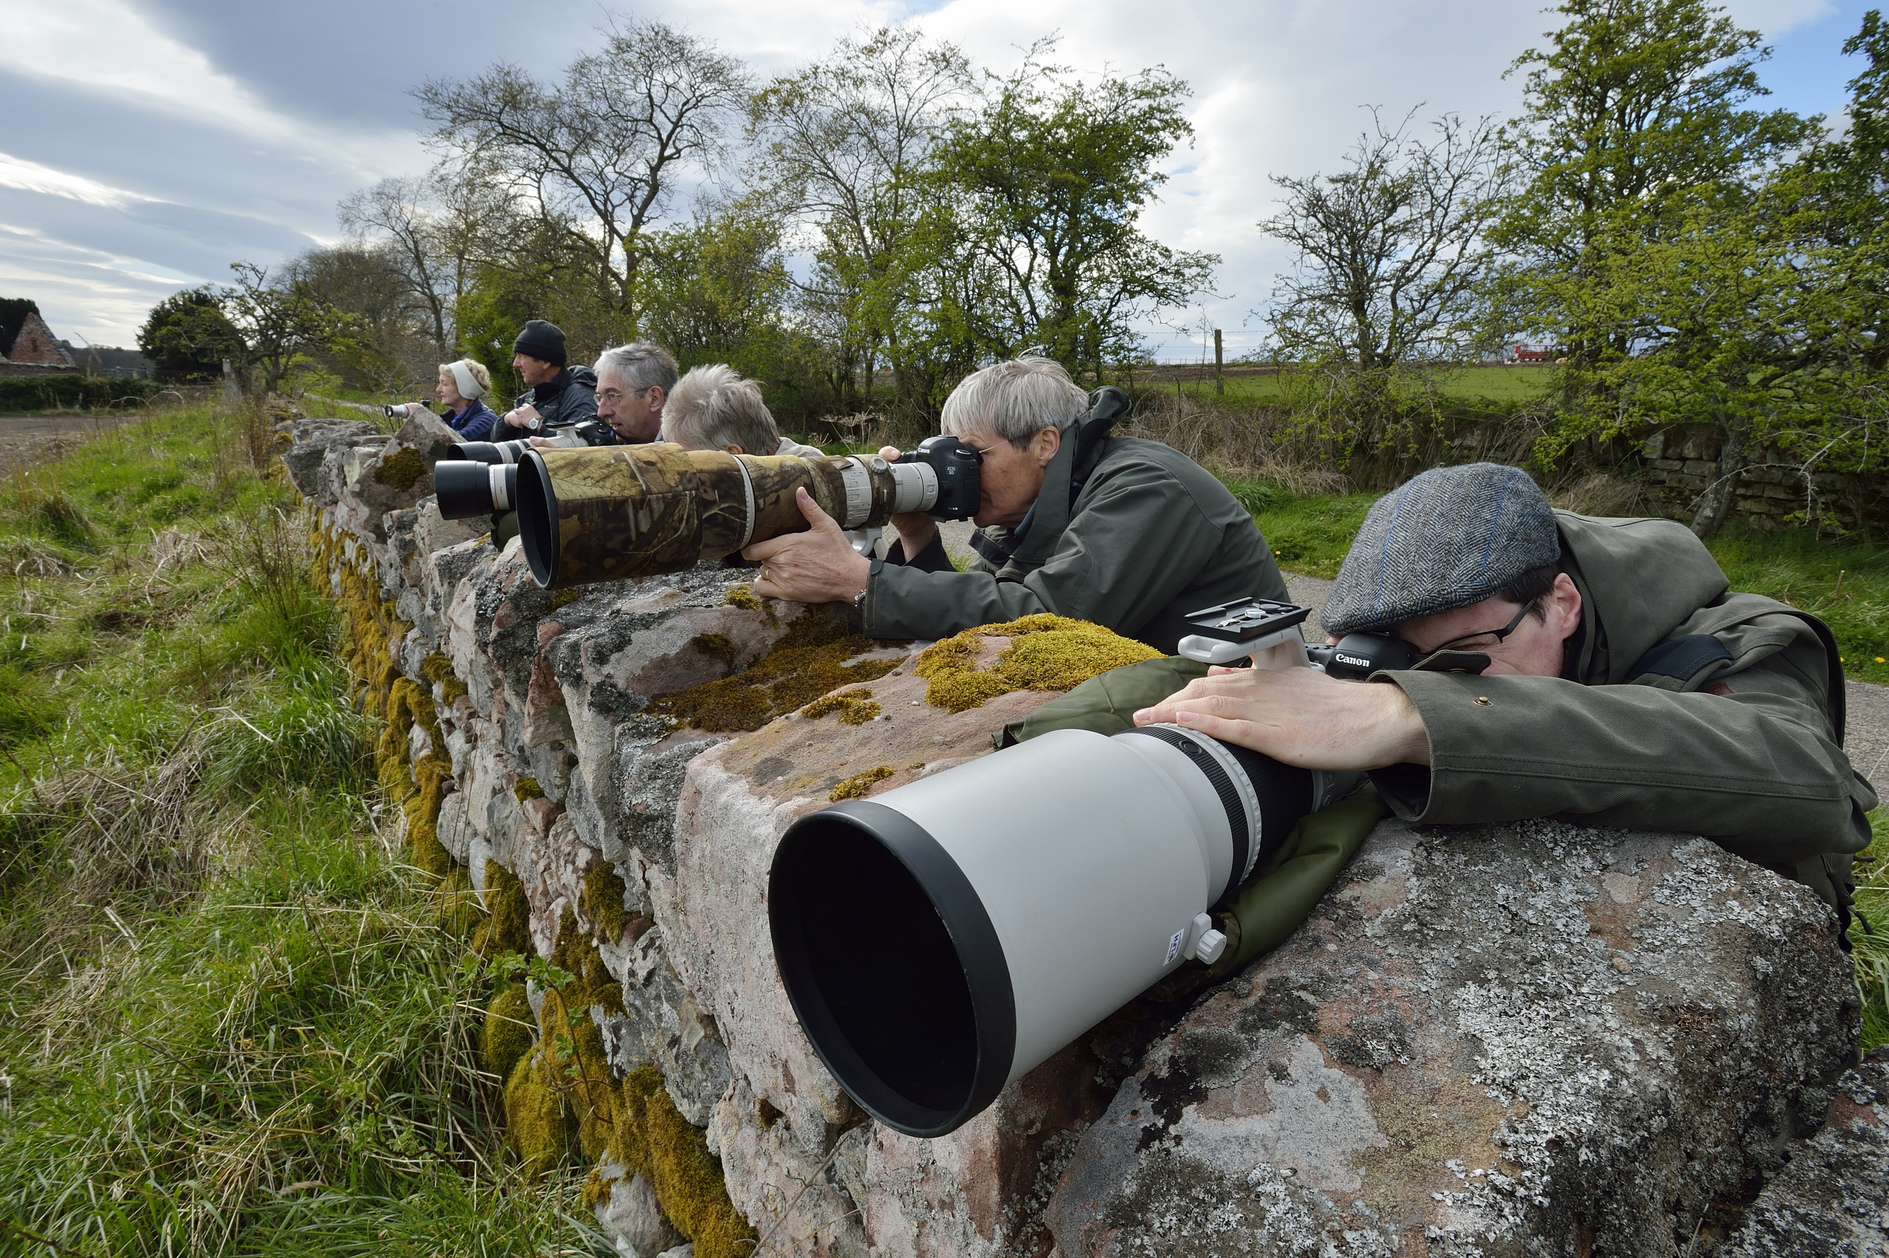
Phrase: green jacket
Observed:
(1150, 537)
(1682, 708)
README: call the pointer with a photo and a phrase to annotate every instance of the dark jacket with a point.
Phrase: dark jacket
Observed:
(1682, 708)
(475, 423)
(1151, 536)
(570, 397)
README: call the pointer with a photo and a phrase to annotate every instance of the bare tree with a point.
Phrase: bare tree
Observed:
(432, 237)
(599, 156)
(1390, 250)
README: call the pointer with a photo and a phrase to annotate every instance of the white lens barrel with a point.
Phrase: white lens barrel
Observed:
(501, 485)
(857, 482)
(915, 487)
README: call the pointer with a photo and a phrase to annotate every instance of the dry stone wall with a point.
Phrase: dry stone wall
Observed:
(1535, 1039)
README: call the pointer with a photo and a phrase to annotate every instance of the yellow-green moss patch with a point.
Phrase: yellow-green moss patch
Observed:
(717, 646)
(855, 787)
(744, 597)
(506, 1035)
(852, 706)
(438, 669)
(602, 900)
(527, 789)
(535, 1116)
(655, 1141)
(401, 469)
(809, 660)
(508, 929)
(1045, 653)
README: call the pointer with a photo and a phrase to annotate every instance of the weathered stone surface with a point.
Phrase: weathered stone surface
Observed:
(1832, 1201)
(738, 799)
(631, 1216)
(1533, 1039)
(313, 440)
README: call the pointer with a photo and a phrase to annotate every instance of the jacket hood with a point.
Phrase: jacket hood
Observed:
(582, 375)
(1640, 579)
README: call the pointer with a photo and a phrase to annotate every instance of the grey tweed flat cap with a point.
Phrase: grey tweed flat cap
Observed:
(1448, 538)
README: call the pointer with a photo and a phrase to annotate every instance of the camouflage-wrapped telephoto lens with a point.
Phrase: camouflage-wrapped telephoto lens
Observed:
(635, 511)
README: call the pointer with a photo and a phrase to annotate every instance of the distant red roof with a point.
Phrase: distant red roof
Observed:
(25, 340)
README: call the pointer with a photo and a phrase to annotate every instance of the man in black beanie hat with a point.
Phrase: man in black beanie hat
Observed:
(559, 396)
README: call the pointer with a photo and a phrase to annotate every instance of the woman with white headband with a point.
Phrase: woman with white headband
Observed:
(460, 387)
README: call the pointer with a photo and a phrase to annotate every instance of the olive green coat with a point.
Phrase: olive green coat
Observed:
(1151, 537)
(1682, 708)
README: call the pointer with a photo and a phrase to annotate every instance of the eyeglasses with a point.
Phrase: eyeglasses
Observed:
(614, 397)
(1487, 638)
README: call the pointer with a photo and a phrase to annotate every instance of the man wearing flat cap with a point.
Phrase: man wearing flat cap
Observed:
(1586, 668)
(560, 395)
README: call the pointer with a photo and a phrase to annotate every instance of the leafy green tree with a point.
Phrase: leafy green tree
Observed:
(1636, 110)
(277, 320)
(842, 149)
(188, 336)
(1047, 182)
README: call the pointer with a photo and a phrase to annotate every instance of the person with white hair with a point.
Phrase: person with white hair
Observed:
(714, 408)
(1135, 538)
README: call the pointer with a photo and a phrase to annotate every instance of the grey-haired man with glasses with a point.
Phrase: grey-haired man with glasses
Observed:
(1577, 667)
(633, 383)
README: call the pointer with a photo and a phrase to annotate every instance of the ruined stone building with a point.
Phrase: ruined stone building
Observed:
(27, 345)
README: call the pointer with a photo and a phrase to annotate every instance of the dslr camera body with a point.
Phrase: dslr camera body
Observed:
(1270, 634)
(943, 477)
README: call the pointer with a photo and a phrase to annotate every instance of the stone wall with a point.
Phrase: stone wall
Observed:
(1681, 462)
(1531, 1039)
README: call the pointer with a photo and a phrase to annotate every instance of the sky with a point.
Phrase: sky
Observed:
(150, 143)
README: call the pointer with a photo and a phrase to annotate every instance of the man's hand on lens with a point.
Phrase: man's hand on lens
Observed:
(543, 443)
(525, 416)
(1299, 716)
(818, 566)
(915, 528)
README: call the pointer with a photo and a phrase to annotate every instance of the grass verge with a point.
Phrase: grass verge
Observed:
(233, 1022)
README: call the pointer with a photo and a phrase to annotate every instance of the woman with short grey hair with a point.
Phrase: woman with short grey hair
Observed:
(714, 408)
(1014, 400)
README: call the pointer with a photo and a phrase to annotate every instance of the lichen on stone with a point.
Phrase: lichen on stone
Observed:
(809, 660)
(1045, 653)
(858, 785)
(852, 706)
(401, 469)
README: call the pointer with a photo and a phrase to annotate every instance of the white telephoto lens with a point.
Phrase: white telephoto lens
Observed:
(915, 487)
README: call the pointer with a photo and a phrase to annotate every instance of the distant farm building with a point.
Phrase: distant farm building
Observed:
(1533, 354)
(27, 345)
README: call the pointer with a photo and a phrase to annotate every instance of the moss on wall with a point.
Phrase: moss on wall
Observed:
(401, 470)
(857, 786)
(438, 669)
(602, 901)
(852, 706)
(506, 1035)
(1045, 653)
(526, 789)
(809, 660)
(537, 1116)
(744, 597)
(508, 928)
(655, 1141)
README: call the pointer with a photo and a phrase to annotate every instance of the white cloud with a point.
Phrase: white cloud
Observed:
(17, 172)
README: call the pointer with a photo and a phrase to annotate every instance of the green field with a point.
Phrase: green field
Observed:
(1499, 385)
(231, 1022)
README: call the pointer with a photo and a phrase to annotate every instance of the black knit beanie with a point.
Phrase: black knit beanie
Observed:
(541, 340)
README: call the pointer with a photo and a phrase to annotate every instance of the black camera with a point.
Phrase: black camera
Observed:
(940, 477)
(478, 478)
(1257, 627)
